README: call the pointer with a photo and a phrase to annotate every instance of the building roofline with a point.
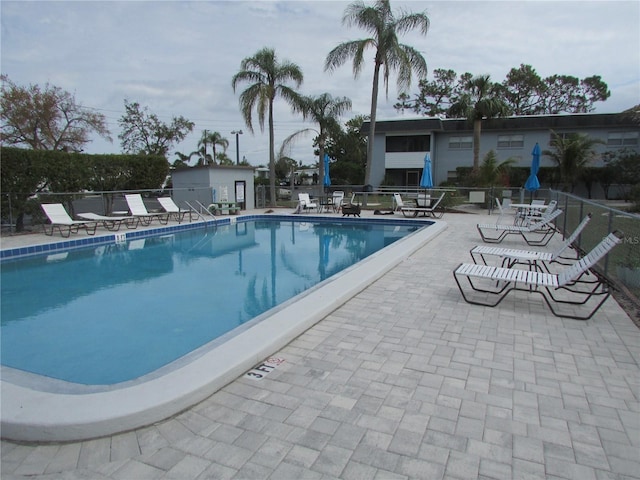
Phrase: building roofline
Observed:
(221, 167)
(525, 122)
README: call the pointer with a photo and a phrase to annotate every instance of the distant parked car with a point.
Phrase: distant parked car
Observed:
(284, 193)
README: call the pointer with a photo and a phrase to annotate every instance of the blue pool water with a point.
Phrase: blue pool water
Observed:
(116, 312)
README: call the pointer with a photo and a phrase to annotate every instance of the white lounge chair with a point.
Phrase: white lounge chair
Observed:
(172, 209)
(502, 209)
(435, 210)
(512, 256)
(399, 203)
(526, 215)
(111, 223)
(337, 200)
(61, 220)
(138, 210)
(305, 203)
(544, 228)
(556, 288)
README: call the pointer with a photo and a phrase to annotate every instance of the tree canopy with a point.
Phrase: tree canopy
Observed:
(523, 91)
(481, 99)
(46, 118)
(144, 132)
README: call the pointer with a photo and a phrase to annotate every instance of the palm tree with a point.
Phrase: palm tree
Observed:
(480, 100)
(183, 160)
(202, 157)
(267, 77)
(324, 110)
(572, 154)
(491, 172)
(390, 54)
(213, 138)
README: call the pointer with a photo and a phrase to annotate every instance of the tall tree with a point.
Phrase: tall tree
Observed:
(390, 55)
(144, 132)
(632, 114)
(480, 100)
(323, 110)
(268, 78)
(349, 148)
(566, 93)
(202, 157)
(572, 154)
(435, 95)
(46, 118)
(523, 90)
(213, 139)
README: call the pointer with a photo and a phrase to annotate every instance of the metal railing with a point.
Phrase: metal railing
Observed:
(621, 266)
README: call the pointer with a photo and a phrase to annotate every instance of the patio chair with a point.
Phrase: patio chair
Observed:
(556, 289)
(138, 210)
(528, 215)
(112, 224)
(305, 203)
(435, 210)
(60, 219)
(502, 209)
(399, 203)
(172, 209)
(337, 199)
(512, 256)
(536, 233)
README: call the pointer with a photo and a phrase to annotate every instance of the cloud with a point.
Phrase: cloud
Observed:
(178, 58)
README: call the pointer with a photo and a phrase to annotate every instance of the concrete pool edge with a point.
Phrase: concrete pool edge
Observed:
(38, 416)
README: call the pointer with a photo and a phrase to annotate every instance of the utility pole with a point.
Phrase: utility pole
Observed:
(237, 133)
(204, 140)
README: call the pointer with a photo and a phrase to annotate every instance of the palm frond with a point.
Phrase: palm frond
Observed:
(339, 55)
(411, 21)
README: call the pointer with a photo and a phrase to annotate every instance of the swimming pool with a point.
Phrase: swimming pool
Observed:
(177, 384)
(114, 313)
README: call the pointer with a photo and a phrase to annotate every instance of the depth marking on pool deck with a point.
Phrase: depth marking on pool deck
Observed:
(260, 371)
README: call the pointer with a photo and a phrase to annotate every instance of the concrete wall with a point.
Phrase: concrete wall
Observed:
(212, 183)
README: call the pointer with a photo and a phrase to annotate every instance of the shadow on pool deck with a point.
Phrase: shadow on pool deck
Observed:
(405, 380)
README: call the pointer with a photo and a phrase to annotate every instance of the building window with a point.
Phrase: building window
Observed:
(460, 143)
(622, 139)
(408, 143)
(510, 141)
(560, 136)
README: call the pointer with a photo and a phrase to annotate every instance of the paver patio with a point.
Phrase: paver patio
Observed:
(403, 381)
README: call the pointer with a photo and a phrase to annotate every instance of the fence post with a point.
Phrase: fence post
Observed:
(11, 229)
(491, 198)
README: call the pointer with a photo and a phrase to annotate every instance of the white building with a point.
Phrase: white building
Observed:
(215, 183)
(401, 144)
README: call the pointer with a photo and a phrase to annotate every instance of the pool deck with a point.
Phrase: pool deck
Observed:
(404, 380)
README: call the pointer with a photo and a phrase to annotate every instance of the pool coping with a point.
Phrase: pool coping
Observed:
(32, 415)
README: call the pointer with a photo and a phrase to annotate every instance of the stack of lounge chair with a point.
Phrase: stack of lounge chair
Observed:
(436, 209)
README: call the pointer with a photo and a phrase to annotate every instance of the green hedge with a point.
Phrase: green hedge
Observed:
(25, 173)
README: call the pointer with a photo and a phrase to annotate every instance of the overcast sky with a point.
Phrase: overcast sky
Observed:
(178, 58)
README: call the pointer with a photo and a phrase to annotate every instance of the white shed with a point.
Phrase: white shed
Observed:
(214, 183)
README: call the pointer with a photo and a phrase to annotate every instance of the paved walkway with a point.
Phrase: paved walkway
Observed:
(403, 381)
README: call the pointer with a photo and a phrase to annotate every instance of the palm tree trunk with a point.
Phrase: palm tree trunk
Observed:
(272, 159)
(372, 124)
(477, 126)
